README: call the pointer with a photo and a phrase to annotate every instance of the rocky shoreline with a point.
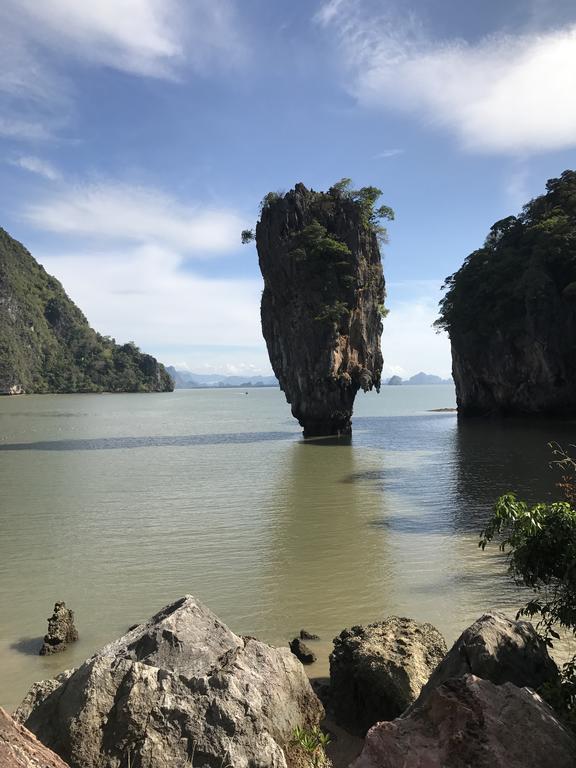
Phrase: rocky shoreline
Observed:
(183, 689)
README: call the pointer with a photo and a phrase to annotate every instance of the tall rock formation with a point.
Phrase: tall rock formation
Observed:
(323, 299)
(46, 344)
(510, 312)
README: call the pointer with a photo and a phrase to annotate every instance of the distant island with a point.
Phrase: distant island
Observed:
(48, 346)
(188, 380)
(418, 378)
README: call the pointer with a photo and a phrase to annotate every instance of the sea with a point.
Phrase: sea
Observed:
(118, 504)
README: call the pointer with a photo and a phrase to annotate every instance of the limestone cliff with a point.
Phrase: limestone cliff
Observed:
(510, 312)
(47, 345)
(323, 300)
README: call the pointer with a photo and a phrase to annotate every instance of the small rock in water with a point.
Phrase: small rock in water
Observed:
(61, 630)
(304, 635)
(302, 652)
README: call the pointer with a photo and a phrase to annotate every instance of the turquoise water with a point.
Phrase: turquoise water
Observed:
(118, 504)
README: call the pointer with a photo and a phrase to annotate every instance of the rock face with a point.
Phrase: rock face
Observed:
(46, 344)
(377, 671)
(21, 749)
(510, 312)
(301, 651)
(61, 630)
(180, 685)
(471, 723)
(322, 303)
(497, 649)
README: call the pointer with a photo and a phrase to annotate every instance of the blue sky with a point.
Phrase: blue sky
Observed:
(137, 138)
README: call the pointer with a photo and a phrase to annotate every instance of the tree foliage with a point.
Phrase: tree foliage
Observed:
(47, 345)
(524, 259)
(540, 541)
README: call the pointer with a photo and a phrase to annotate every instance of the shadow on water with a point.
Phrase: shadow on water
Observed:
(29, 646)
(181, 441)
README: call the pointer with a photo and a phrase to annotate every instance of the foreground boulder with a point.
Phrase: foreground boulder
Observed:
(179, 685)
(471, 723)
(61, 631)
(21, 749)
(377, 671)
(323, 300)
(496, 649)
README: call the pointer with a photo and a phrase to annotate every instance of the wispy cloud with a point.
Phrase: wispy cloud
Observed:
(388, 153)
(142, 293)
(503, 94)
(118, 212)
(147, 38)
(38, 166)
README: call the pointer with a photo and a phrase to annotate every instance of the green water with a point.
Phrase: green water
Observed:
(118, 504)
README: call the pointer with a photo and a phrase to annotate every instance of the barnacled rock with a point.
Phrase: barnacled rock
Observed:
(322, 303)
(377, 671)
(179, 685)
(301, 651)
(305, 635)
(21, 749)
(496, 649)
(468, 722)
(61, 630)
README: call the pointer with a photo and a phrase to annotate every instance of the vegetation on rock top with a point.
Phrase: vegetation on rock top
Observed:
(524, 258)
(47, 345)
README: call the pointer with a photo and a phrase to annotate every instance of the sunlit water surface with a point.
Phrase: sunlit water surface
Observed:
(118, 504)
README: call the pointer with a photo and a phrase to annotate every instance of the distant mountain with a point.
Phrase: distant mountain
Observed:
(427, 378)
(188, 380)
(47, 345)
(418, 378)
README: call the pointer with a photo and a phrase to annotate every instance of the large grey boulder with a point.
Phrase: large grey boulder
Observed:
(181, 685)
(468, 722)
(378, 670)
(497, 649)
(21, 749)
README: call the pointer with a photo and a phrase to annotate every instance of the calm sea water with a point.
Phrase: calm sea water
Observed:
(118, 504)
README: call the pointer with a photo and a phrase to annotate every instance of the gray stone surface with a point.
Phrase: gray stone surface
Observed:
(468, 722)
(497, 649)
(181, 684)
(378, 670)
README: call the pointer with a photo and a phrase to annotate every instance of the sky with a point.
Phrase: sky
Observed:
(137, 138)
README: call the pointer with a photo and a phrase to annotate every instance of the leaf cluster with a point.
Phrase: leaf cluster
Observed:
(47, 345)
(525, 261)
(313, 742)
(540, 542)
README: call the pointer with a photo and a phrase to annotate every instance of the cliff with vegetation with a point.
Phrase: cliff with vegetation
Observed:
(46, 344)
(323, 299)
(510, 311)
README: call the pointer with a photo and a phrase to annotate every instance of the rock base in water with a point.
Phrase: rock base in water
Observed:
(61, 630)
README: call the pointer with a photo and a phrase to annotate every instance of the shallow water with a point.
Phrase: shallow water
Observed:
(118, 504)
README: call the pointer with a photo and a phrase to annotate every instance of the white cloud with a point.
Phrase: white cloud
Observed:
(150, 38)
(145, 295)
(409, 343)
(128, 213)
(38, 166)
(502, 94)
(388, 153)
